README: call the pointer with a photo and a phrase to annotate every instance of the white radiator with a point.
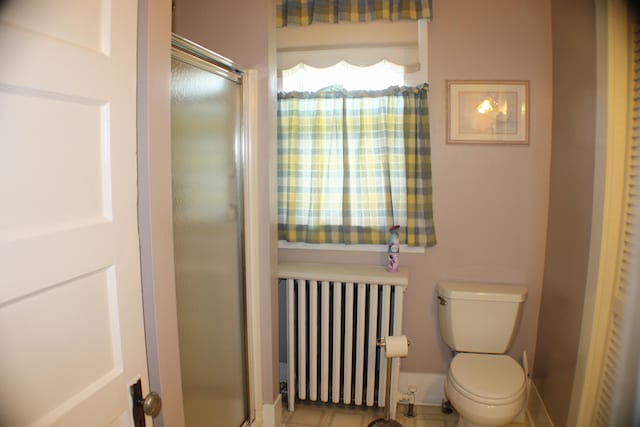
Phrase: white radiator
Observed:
(335, 313)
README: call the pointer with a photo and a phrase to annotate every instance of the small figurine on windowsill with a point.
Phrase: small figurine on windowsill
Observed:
(393, 250)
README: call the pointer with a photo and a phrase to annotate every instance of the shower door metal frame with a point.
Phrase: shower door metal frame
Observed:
(196, 55)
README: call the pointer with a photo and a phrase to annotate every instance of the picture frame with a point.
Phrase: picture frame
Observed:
(488, 112)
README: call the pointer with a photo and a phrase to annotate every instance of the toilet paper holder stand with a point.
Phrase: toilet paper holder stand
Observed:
(386, 421)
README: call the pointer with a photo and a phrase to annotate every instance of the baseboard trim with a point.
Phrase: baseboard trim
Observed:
(538, 415)
(429, 392)
(271, 414)
(429, 387)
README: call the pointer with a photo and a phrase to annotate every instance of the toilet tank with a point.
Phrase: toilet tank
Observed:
(479, 317)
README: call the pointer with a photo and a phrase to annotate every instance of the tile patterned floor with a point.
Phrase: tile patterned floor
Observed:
(315, 415)
(320, 415)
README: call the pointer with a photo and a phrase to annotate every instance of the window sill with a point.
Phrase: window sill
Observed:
(283, 244)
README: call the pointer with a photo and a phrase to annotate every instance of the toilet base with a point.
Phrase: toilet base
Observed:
(483, 415)
(520, 419)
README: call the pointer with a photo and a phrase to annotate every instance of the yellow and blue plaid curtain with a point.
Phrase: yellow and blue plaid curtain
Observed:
(305, 12)
(353, 164)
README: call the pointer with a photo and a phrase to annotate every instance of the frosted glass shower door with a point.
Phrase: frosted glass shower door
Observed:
(207, 229)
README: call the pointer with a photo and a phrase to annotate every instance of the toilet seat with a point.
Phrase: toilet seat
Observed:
(493, 379)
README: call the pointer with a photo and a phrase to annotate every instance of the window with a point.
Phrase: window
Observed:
(353, 156)
(305, 78)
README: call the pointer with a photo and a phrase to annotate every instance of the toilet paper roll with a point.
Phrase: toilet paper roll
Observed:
(397, 346)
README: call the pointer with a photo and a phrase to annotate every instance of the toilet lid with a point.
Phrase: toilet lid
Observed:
(487, 376)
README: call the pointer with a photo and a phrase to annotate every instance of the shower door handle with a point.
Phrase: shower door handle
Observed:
(150, 405)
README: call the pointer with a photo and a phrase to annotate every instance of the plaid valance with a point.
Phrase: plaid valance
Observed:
(305, 12)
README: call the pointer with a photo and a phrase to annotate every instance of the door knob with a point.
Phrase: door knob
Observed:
(150, 405)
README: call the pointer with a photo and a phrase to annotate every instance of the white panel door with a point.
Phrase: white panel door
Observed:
(71, 331)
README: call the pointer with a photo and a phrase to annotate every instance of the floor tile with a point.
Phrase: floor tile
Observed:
(320, 415)
(306, 416)
(429, 423)
(346, 420)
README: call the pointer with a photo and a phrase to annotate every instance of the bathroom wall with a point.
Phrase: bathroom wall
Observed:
(570, 204)
(243, 31)
(490, 202)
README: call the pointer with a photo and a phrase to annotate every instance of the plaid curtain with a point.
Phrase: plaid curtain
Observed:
(305, 12)
(353, 164)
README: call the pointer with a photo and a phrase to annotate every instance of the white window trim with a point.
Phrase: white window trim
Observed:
(289, 39)
(382, 40)
(283, 244)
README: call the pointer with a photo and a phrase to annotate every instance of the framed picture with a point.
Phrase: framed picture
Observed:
(487, 112)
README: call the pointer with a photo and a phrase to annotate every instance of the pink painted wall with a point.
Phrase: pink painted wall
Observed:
(490, 202)
(570, 203)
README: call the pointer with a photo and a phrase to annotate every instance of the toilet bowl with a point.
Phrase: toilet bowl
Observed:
(479, 321)
(485, 389)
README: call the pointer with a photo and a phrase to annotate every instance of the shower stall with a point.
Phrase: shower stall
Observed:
(207, 167)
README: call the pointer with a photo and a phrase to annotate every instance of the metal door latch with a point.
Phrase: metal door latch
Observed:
(150, 405)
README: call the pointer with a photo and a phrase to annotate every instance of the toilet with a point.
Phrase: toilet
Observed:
(478, 321)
